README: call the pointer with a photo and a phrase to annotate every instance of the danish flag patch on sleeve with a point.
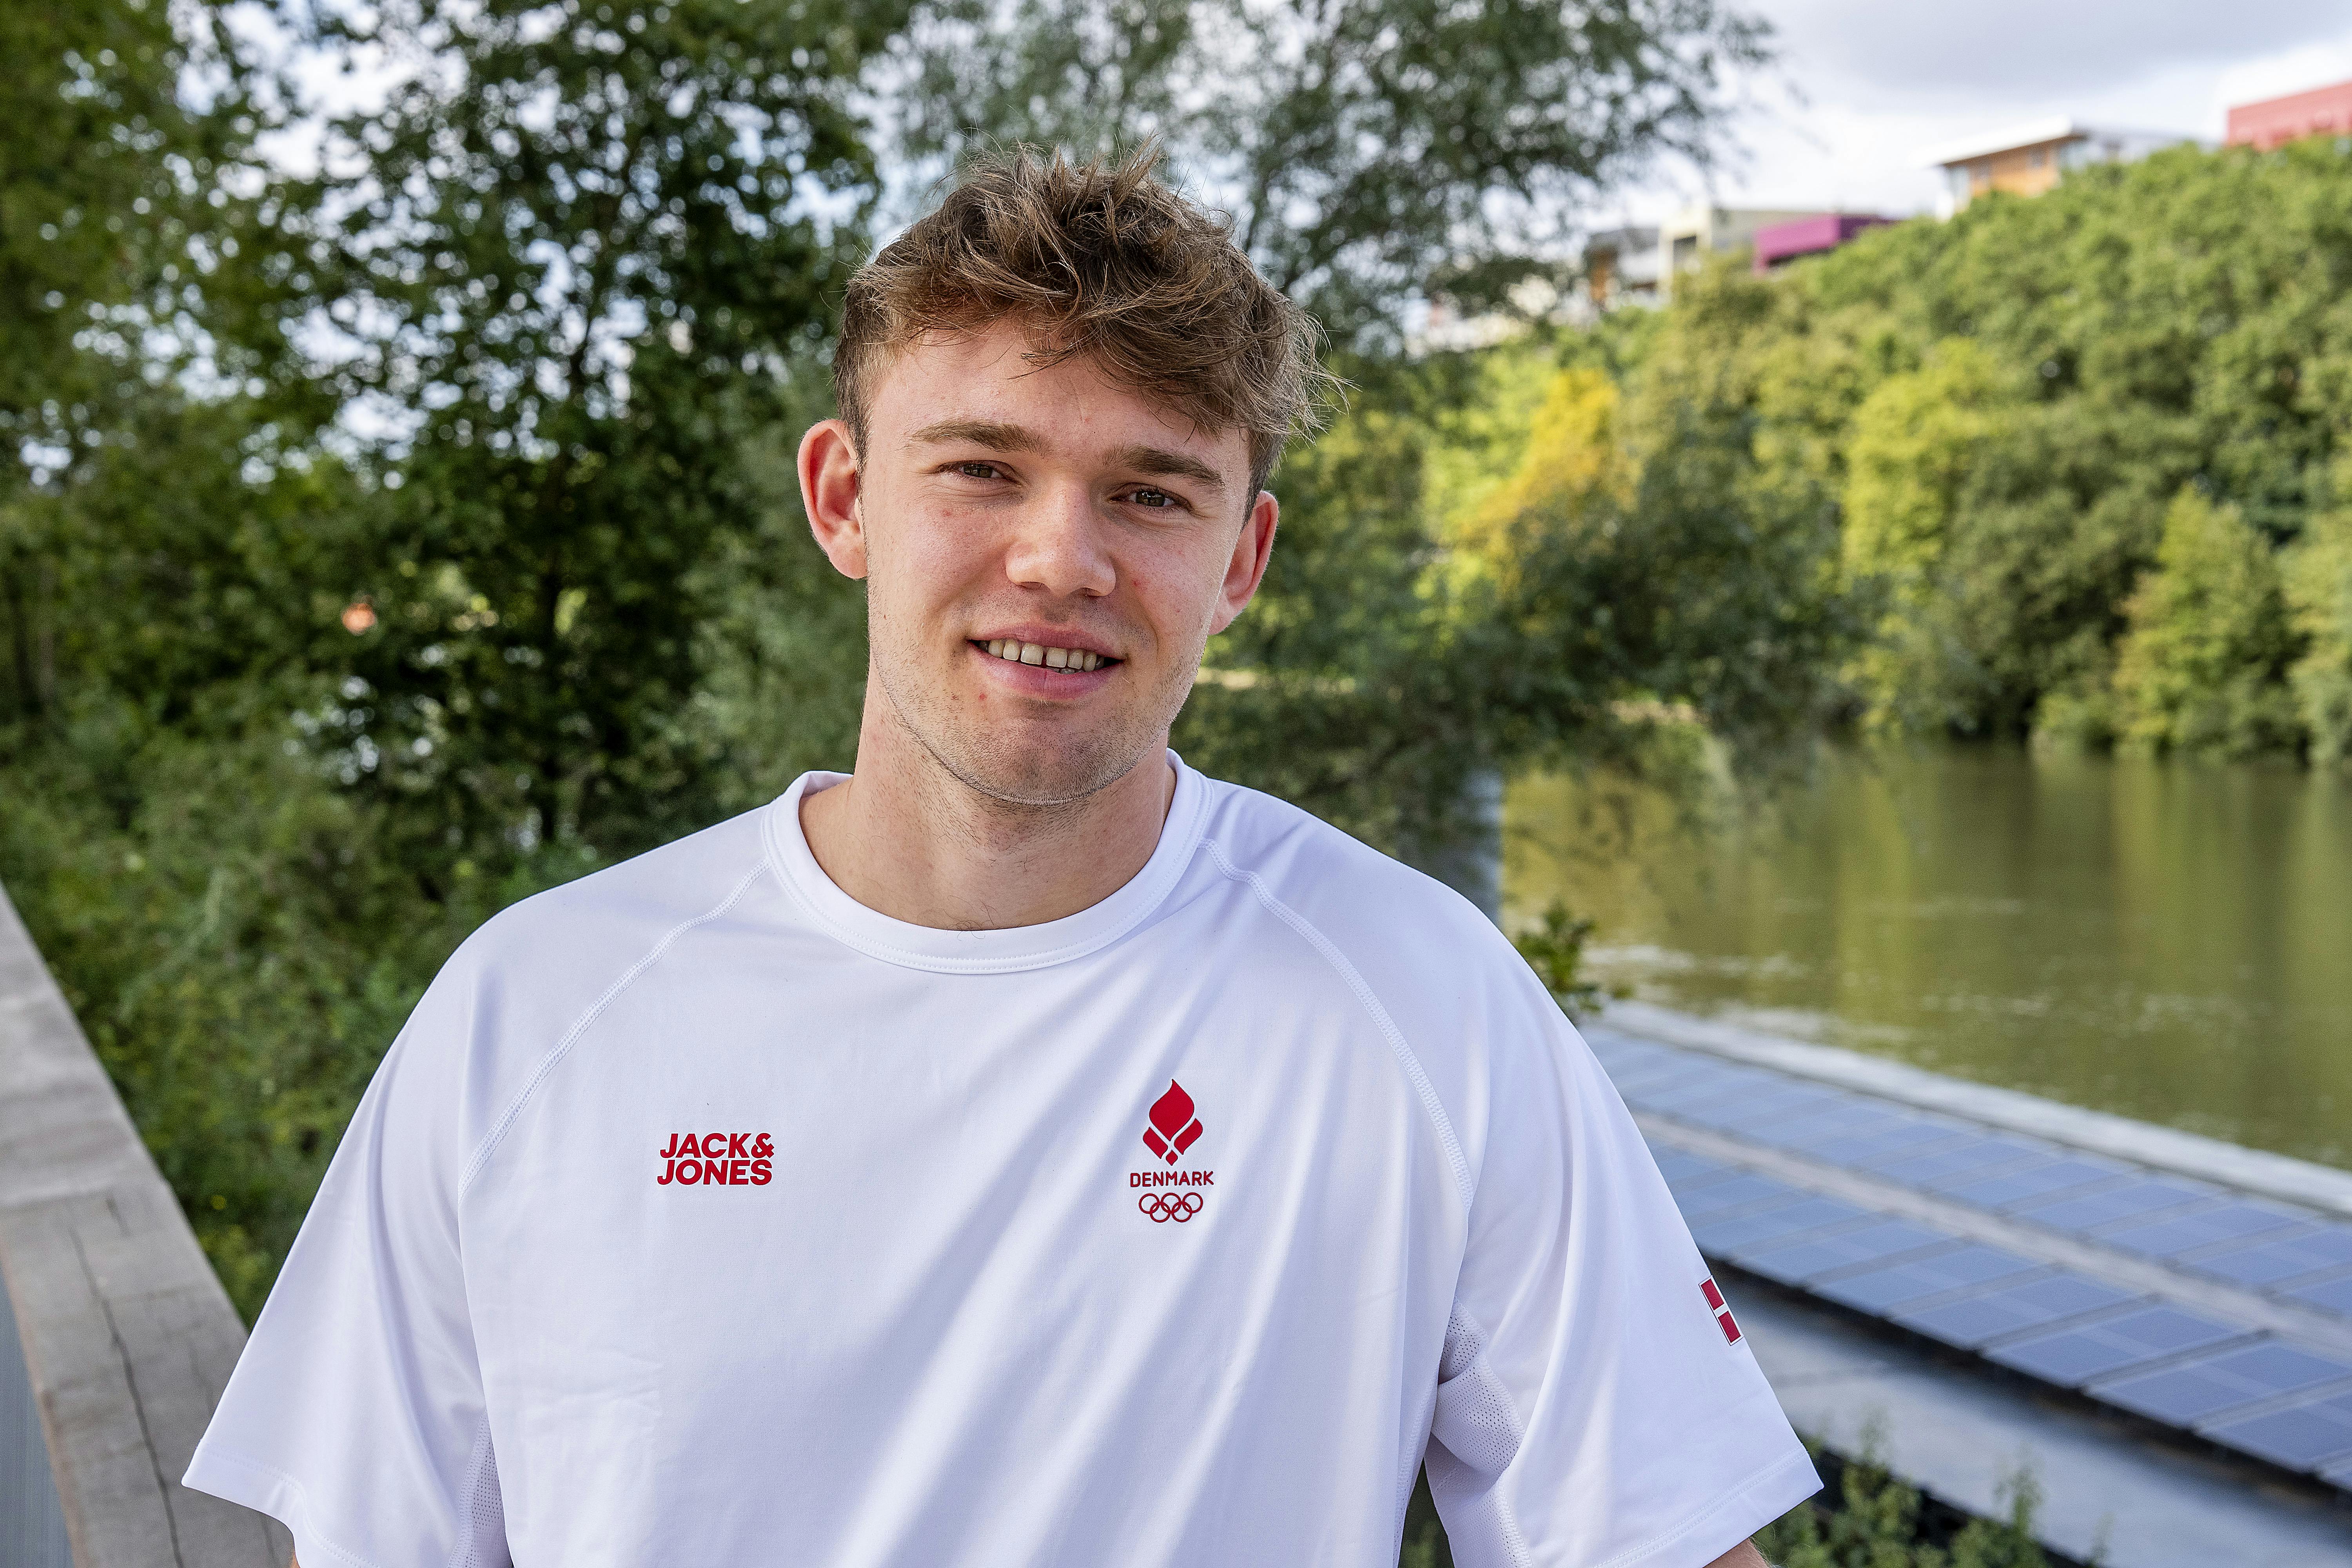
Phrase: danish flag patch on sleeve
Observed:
(1723, 1319)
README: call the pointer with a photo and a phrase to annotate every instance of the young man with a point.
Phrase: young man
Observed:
(1024, 1151)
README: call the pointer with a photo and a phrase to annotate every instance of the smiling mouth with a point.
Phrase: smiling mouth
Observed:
(1076, 661)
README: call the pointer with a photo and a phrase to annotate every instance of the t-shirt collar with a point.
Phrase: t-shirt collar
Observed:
(981, 952)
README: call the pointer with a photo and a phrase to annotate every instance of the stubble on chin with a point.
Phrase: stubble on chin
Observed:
(1081, 759)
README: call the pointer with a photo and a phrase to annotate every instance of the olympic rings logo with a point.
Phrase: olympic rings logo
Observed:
(1165, 1206)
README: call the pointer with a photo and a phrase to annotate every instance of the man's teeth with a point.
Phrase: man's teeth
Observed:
(1075, 658)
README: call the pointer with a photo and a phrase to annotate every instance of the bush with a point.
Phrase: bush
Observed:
(1878, 1521)
(1867, 1518)
(1555, 950)
(2318, 575)
(2203, 666)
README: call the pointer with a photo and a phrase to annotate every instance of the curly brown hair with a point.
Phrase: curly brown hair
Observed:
(1098, 260)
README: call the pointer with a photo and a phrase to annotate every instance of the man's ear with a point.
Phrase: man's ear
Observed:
(1245, 569)
(830, 480)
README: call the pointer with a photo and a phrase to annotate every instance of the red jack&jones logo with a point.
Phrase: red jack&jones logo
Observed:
(717, 1160)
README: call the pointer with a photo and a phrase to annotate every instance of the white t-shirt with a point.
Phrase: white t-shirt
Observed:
(702, 1215)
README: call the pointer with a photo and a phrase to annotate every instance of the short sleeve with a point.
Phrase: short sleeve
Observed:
(1591, 1409)
(356, 1416)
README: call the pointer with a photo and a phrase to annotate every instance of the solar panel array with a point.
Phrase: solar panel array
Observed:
(2186, 1366)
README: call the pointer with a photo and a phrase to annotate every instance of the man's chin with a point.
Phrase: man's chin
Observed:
(1035, 779)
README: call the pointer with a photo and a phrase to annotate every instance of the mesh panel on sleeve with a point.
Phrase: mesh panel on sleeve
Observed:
(484, 1521)
(1474, 1419)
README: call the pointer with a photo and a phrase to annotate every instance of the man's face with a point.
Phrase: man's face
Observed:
(1045, 554)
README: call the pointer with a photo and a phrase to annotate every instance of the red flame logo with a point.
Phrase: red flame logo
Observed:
(1173, 1127)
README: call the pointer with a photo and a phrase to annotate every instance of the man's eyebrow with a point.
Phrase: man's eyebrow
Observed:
(990, 433)
(1159, 461)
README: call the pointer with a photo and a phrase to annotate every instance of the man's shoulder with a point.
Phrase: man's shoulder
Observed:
(648, 894)
(1373, 910)
(1456, 1000)
(571, 942)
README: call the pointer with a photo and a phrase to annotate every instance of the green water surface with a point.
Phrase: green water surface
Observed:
(2168, 941)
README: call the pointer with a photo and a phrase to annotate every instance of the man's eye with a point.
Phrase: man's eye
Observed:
(1149, 497)
(979, 470)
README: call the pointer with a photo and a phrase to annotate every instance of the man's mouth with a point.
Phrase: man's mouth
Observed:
(1075, 659)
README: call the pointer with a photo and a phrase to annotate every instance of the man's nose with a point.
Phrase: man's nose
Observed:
(1061, 546)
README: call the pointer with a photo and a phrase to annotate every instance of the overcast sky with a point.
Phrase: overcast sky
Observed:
(1865, 87)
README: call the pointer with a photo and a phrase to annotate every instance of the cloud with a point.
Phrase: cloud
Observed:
(2024, 52)
(1864, 88)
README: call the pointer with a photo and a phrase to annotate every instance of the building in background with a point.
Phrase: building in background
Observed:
(1694, 233)
(2299, 114)
(1621, 268)
(2027, 160)
(1777, 244)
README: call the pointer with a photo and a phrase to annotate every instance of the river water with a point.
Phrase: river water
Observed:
(2169, 941)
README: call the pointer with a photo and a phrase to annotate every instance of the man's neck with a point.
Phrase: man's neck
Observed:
(908, 839)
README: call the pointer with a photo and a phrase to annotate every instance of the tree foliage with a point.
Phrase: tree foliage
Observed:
(578, 264)
(388, 540)
(1367, 150)
(2004, 408)
(2203, 665)
(1577, 602)
(2318, 582)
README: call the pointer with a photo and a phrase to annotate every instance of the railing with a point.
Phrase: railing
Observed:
(127, 1336)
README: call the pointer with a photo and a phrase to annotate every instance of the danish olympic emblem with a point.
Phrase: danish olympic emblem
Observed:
(1174, 1128)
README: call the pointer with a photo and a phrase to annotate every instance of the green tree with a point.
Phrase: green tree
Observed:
(2203, 666)
(579, 264)
(2318, 583)
(1913, 446)
(120, 206)
(2002, 406)
(1369, 150)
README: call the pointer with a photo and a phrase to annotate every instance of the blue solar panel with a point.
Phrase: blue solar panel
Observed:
(2117, 1205)
(1740, 1192)
(1636, 1080)
(1915, 1280)
(1979, 1157)
(2071, 1357)
(1682, 1169)
(1645, 1063)
(1612, 1048)
(2188, 1394)
(2272, 1259)
(2016, 1309)
(1704, 1081)
(2023, 1184)
(1792, 1261)
(1737, 1114)
(1908, 1136)
(1644, 1090)
(1724, 1237)
(1645, 1060)
(2328, 1296)
(1862, 1117)
(2302, 1437)
(1841, 1119)
(2208, 1228)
